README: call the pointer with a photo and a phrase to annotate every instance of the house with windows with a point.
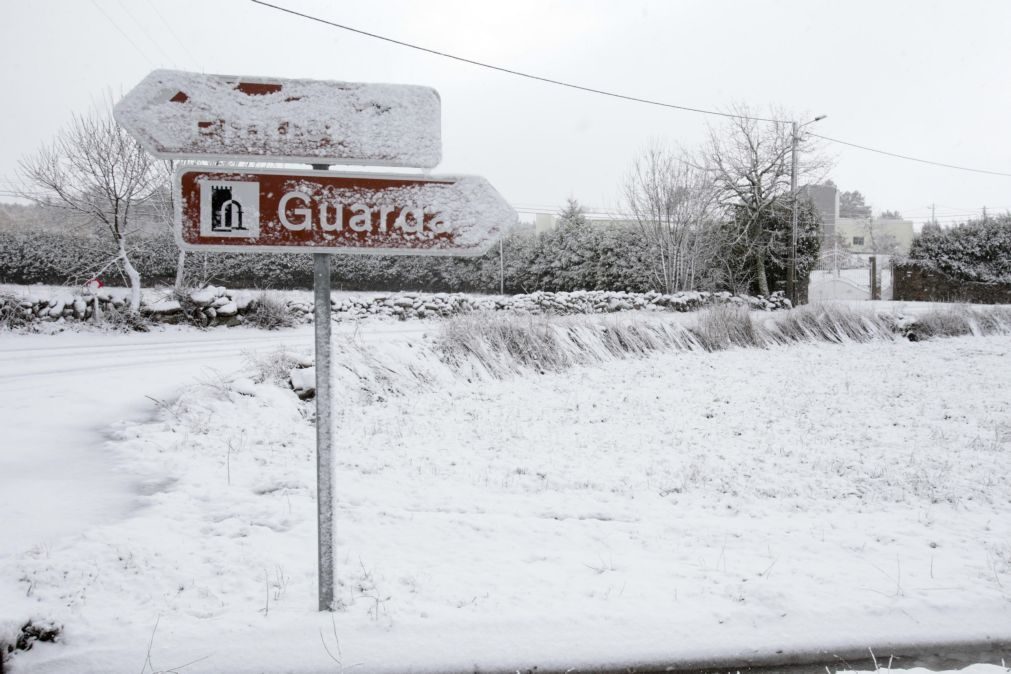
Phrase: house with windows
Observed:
(881, 236)
(863, 236)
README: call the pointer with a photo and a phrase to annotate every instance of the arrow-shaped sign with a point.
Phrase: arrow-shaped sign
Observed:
(328, 212)
(183, 115)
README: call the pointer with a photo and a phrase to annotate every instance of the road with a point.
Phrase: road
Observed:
(60, 395)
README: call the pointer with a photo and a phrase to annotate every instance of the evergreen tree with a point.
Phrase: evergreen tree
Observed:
(852, 205)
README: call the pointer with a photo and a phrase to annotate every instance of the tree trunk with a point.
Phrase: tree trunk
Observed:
(133, 275)
(180, 269)
(763, 281)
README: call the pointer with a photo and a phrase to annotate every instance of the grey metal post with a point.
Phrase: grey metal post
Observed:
(324, 427)
(791, 281)
(501, 269)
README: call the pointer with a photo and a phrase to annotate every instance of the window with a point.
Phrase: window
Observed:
(858, 240)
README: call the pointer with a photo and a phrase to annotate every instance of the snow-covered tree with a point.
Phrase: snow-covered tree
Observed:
(566, 255)
(674, 203)
(97, 172)
(852, 205)
(978, 250)
(750, 162)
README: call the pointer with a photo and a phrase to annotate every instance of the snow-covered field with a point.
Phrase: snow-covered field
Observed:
(678, 507)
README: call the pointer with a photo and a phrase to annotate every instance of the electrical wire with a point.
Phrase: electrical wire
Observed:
(908, 158)
(172, 32)
(612, 94)
(121, 32)
(509, 71)
(143, 29)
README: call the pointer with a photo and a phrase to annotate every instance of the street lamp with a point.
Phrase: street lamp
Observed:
(791, 280)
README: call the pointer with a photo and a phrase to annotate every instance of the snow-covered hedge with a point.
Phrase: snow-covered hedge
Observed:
(979, 250)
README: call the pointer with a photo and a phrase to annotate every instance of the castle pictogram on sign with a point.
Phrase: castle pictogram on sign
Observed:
(226, 212)
(229, 208)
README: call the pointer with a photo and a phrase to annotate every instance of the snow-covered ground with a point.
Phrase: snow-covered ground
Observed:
(61, 394)
(677, 507)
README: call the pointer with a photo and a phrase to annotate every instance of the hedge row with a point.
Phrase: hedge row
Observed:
(612, 260)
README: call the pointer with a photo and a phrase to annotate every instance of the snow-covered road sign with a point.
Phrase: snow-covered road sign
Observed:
(183, 115)
(180, 115)
(290, 211)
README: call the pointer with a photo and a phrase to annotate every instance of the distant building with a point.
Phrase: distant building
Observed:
(544, 222)
(859, 235)
(883, 236)
(826, 201)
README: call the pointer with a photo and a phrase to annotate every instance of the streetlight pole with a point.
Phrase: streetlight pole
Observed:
(791, 280)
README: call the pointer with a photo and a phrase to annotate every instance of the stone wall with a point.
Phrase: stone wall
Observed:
(912, 282)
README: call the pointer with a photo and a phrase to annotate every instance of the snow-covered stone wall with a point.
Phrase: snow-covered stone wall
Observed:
(216, 305)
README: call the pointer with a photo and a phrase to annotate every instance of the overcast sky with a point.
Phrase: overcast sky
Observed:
(927, 79)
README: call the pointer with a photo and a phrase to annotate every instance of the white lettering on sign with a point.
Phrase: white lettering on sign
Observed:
(304, 212)
(295, 212)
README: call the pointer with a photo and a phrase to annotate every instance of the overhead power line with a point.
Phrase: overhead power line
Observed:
(123, 33)
(143, 29)
(172, 32)
(509, 71)
(611, 94)
(907, 157)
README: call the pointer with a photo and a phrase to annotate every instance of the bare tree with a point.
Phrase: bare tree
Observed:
(162, 207)
(750, 164)
(96, 171)
(881, 242)
(673, 203)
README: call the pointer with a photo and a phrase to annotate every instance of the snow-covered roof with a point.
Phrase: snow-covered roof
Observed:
(180, 115)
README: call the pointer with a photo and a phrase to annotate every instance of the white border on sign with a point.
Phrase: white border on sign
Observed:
(308, 250)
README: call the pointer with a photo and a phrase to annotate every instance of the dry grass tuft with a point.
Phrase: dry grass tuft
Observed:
(270, 312)
(501, 345)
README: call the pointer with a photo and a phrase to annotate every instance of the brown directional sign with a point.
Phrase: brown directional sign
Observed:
(261, 210)
(184, 115)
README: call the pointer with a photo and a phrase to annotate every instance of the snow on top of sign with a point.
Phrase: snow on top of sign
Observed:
(182, 114)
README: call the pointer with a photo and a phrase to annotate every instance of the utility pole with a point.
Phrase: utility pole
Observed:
(933, 218)
(984, 214)
(791, 279)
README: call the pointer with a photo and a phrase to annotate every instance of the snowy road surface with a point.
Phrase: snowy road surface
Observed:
(60, 394)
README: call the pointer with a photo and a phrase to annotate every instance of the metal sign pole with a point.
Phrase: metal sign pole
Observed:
(226, 208)
(324, 427)
(324, 430)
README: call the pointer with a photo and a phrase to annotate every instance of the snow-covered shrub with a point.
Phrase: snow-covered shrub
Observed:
(528, 342)
(979, 250)
(993, 320)
(723, 326)
(275, 367)
(119, 318)
(13, 314)
(26, 636)
(500, 344)
(955, 321)
(269, 312)
(829, 323)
